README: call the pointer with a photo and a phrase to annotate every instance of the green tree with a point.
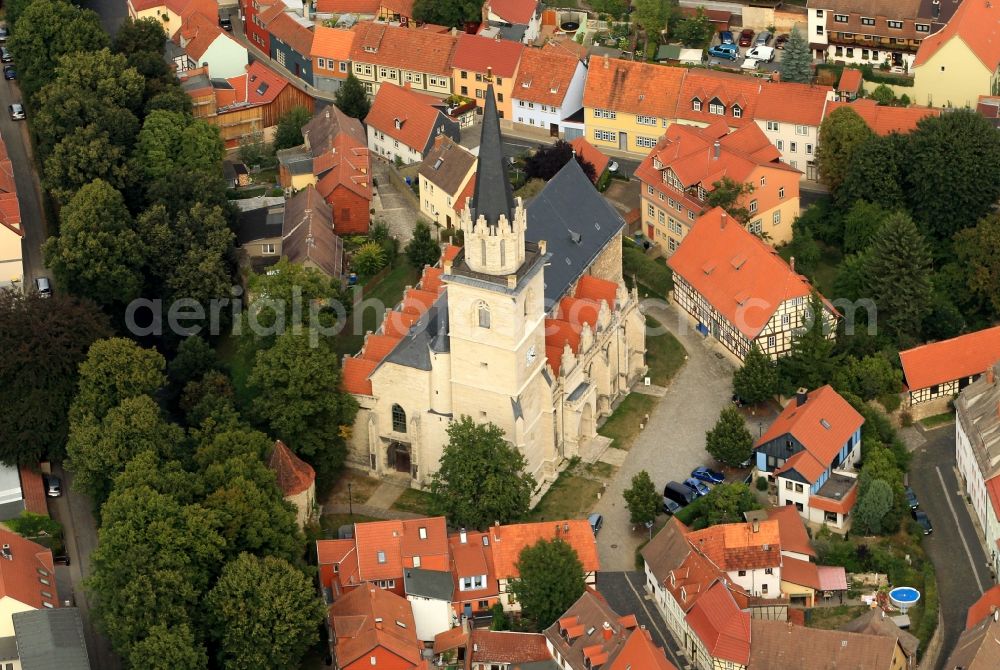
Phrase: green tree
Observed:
(45, 340)
(297, 387)
(263, 613)
(451, 13)
(99, 450)
(137, 35)
(170, 99)
(642, 499)
(422, 249)
(547, 161)
(796, 59)
(369, 259)
(171, 143)
(252, 150)
(210, 399)
(481, 478)
(978, 251)
(141, 42)
(172, 648)
(694, 31)
(730, 195)
(757, 380)
(867, 377)
(725, 503)
(82, 156)
(163, 475)
(351, 97)
(651, 14)
(97, 254)
(274, 297)
(872, 508)
(841, 132)
(803, 248)
(849, 282)
(46, 30)
(957, 154)
(729, 441)
(897, 277)
(13, 10)
(194, 358)
(861, 223)
(289, 131)
(876, 173)
(811, 362)
(883, 95)
(550, 579)
(115, 369)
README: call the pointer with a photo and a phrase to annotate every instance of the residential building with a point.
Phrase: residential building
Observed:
(307, 234)
(297, 481)
(875, 622)
(529, 326)
(987, 606)
(850, 85)
(961, 62)
(442, 178)
(749, 553)
(977, 450)
(629, 104)
(370, 627)
(708, 97)
(403, 124)
(684, 167)
(245, 105)
(863, 32)
(592, 635)
(885, 119)
(50, 638)
(508, 650)
(591, 154)
(331, 57)
(739, 290)
(977, 647)
(517, 20)
(256, 14)
(204, 43)
(548, 92)
(171, 13)
(810, 452)
(364, 9)
(779, 645)
(430, 594)
(989, 108)
(476, 588)
(933, 374)
(478, 61)
(21, 490)
(790, 115)
(11, 232)
(258, 231)
(291, 44)
(27, 581)
(384, 53)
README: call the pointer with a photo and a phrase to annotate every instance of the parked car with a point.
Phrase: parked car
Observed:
(763, 37)
(5, 55)
(749, 64)
(680, 494)
(9, 72)
(226, 24)
(746, 37)
(761, 54)
(924, 521)
(4, 34)
(698, 487)
(781, 41)
(43, 287)
(726, 37)
(613, 167)
(911, 498)
(596, 521)
(670, 507)
(16, 111)
(727, 51)
(53, 486)
(708, 475)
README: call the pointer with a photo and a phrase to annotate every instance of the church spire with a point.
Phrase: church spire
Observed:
(493, 196)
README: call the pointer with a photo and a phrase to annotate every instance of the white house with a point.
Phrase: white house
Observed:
(977, 449)
(548, 92)
(429, 593)
(520, 20)
(790, 115)
(205, 43)
(403, 124)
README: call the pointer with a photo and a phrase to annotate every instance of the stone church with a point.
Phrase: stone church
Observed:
(528, 326)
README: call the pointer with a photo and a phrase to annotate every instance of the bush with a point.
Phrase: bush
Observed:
(762, 483)
(891, 402)
(931, 603)
(369, 258)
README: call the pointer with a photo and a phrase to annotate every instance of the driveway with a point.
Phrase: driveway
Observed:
(673, 443)
(392, 206)
(954, 547)
(626, 594)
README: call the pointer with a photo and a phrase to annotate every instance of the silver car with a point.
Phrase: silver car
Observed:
(16, 111)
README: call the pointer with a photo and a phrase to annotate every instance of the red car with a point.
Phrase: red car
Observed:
(746, 37)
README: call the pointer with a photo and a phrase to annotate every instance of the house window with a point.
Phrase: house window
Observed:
(280, 57)
(661, 217)
(794, 164)
(464, 90)
(780, 145)
(850, 52)
(500, 99)
(867, 21)
(770, 341)
(755, 227)
(650, 209)
(381, 557)
(465, 74)
(819, 13)
(645, 120)
(819, 30)
(831, 517)
(484, 312)
(672, 244)
(772, 125)
(737, 112)
(798, 488)
(768, 571)
(473, 583)
(793, 147)
(267, 249)
(753, 206)
(763, 181)
(776, 217)
(675, 226)
(499, 81)
(606, 135)
(321, 62)
(798, 506)
(742, 573)
(809, 149)
(479, 93)
(801, 130)
(763, 588)
(605, 114)
(479, 76)
(785, 319)
(343, 66)
(898, 25)
(923, 28)
(840, 18)
(398, 419)
(696, 105)
(788, 485)
(649, 189)
(717, 108)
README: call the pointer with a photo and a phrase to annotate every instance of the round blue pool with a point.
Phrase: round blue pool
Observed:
(904, 597)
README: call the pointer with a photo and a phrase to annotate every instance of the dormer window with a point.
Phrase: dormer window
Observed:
(717, 108)
(696, 105)
(737, 111)
(398, 123)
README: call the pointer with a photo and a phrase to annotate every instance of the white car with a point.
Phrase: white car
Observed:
(749, 64)
(761, 53)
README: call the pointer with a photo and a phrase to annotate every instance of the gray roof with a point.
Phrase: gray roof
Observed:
(259, 224)
(875, 622)
(435, 584)
(429, 333)
(296, 160)
(576, 222)
(493, 196)
(51, 639)
(514, 32)
(976, 411)
(8, 648)
(579, 391)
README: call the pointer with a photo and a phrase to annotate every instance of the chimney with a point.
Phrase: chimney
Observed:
(800, 397)
(990, 376)
(607, 62)
(755, 525)
(489, 73)
(378, 622)
(791, 263)
(463, 537)
(454, 32)
(716, 148)
(722, 219)
(543, 246)
(607, 632)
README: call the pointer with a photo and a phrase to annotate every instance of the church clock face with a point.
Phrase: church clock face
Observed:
(529, 357)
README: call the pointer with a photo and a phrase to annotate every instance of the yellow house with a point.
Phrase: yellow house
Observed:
(481, 60)
(628, 105)
(960, 62)
(444, 176)
(402, 56)
(171, 13)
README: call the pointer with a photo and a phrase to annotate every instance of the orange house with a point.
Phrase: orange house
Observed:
(372, 628)
(476, 586)
(331, 56)
(479, 60)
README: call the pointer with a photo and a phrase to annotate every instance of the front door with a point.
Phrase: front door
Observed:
(811, 173)
(649, 230)
(623, 141)
(398, 457)
(554, 130)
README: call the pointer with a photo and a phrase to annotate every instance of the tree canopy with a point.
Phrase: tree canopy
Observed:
(840, 134)
(796, 59)
(422, 249)
(642, 499)
(351, 98)
(115, 369)
(548, 160)
(978, 250)
(757, 380)
(550, 580)
(729, 194)
(481, 478)
(729, 441)
(811, 361)
(451, 13)
(289, 131)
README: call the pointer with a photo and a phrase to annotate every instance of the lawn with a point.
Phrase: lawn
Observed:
(532, 188)
(654, 277)
(623, 424)
(414, 500)
(664, 354)
(570, 497)
(239, 363)
(826, 269)
(937, 420)
(385, 294)
(361, 488)
(832, 618)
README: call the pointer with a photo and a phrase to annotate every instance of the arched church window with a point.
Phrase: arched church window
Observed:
(484, 315)
(398, 419)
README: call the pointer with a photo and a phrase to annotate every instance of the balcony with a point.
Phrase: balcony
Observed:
(874, 42)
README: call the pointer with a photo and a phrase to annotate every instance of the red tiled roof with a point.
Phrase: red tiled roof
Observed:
(736, 546)
(508, 541)
(823, 424)
(514, 11)
(545, 75)
(430, 280)
(591, 154)
(450, 639)
(353, 619)
(424, 537)
(984, 607)
(720, 624)
(886, 119)
(799, 572)
(478, 54)
(348, 6)
(181, 8)
(450, 252)
(377, 347)
(401, 7)
(957, 358)
(257, 86)
(354, 375)
(197, 33)
(633, 87)
(993, 493)
(293, 474)
(463, 197)
(593, 288)
(832, 578)
(803, 463)
(347, 165)
(19, 576)
(842, 506)
(470, 559)
(850, 80)
(728, 88)
(375, 540)
(10, 210)
(790, 102)
(292, 33)
(714, 15)
(333, 551)
(417, 114)
(740, 275)
(332, 42)
(415, 50)
(791, 530)
(508, 647)
(977, 24)
(579, 311)
(33, 491)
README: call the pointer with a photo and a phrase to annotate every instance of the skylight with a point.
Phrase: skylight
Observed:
(824, 423)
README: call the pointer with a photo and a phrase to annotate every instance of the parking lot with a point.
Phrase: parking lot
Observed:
(741, 49)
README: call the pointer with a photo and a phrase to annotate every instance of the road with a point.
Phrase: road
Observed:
(954, 547)
(625, 593)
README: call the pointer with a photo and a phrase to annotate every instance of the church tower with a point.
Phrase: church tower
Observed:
(496, 312)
